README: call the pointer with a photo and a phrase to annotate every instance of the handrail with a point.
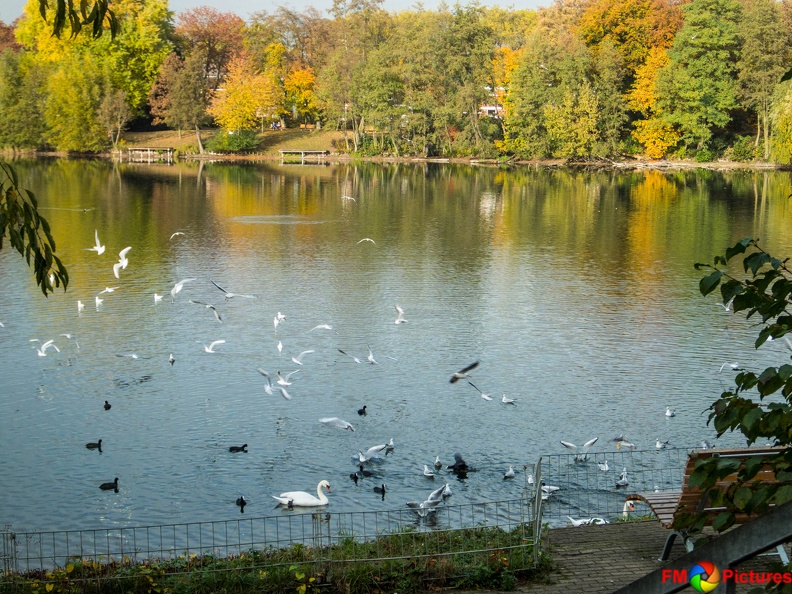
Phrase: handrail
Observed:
(727, 551)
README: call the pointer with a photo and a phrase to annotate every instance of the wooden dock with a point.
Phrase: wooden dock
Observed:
(319, 156)
(150, 155)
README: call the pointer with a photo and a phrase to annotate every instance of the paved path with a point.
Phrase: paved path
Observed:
(605, 558)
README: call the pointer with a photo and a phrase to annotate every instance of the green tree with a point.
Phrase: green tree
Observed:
(572, 125)
(75, 92)
(697, 91)
(765, 293)
(22, 94)
(609, 75)
(764, 58)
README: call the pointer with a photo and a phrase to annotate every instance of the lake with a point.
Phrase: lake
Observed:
(575, 290)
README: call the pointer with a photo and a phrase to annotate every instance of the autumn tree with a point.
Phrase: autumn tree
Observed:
(300, 95)
(180, 96)
(246, 97)
(652, 131)
(697, 91)
(572, 124)
(216, 36)
(114, 115)
(764, 58)
(7, 39)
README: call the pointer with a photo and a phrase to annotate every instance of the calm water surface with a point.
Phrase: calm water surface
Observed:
(576, 291)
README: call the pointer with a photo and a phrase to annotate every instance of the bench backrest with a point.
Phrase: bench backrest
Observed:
(692, 501)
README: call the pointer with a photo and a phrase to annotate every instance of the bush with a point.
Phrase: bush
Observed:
(233, 142)
(743, 149)
(704, 156)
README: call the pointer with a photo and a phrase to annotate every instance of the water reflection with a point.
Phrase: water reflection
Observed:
(574, 289)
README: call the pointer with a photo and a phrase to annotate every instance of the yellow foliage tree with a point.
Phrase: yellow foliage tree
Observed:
(653, 133)
(300, 95)
(245, 100)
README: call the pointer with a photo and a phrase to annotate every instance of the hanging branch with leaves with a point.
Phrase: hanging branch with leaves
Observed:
(766, 293)
(97, 15)
(28, 232)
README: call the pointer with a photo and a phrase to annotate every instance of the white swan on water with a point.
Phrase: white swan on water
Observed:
(303, 499)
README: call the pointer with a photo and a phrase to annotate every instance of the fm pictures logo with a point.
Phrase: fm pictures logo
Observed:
(705, 576)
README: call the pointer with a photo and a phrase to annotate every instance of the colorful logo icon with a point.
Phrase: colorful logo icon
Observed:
(704, 576)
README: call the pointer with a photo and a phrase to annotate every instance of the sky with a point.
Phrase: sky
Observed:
(11, 9)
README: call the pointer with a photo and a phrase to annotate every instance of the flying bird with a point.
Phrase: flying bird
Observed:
(400, 316)
(367, 239)
(581, 456)
(348, 198)
(463, 373)
(72, 337)
(284, 393)
(98, 248)
(229, 294)
(210, 348)
(209, 306)
(355, 359)
(108, 290)
(321, 327)
(42, 350)
(268, 386)
(298, 359)
(122, 261)
(178, 286)
(284, 380)
(80, 306)
(176, 233)
(483, 395)
(279, 317)
(733, 366)
(506, 400)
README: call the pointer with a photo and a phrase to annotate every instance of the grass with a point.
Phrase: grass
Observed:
(408, 561)
(271, 140)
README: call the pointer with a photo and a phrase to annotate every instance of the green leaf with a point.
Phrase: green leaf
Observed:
(784, 494)
(723, 521)
(742, 497)
(708, 283)
(755, 261)
(739, 248)
(787, 76)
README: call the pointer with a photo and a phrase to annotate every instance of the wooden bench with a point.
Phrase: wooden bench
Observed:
(672, 506)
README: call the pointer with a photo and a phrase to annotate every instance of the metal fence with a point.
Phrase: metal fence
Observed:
(407, 535)
(586, 491)
(408, 540)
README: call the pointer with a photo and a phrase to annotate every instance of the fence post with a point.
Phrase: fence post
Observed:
(537, 519)
(9, 549)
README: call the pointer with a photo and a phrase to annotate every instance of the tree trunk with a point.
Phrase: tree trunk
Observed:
(766, 131)
(198, 136)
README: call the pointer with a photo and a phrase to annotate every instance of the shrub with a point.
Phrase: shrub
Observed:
(233, 142)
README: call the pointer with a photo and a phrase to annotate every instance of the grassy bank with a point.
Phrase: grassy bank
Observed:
(271, 140)
(475, 558)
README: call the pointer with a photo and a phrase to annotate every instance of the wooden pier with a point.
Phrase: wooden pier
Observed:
(319, 156)
(150, 155)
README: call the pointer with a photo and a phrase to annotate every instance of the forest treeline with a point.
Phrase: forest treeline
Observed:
(580, 79)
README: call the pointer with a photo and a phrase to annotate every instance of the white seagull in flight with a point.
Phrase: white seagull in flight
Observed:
(178, 286)
(400, 317)
(582, 456)
(229, 294)
(122, 261)
(298, 358)
(98, 248)
(210, 348)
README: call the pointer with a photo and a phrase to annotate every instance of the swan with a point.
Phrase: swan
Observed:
(628, 508)
(303, 499)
